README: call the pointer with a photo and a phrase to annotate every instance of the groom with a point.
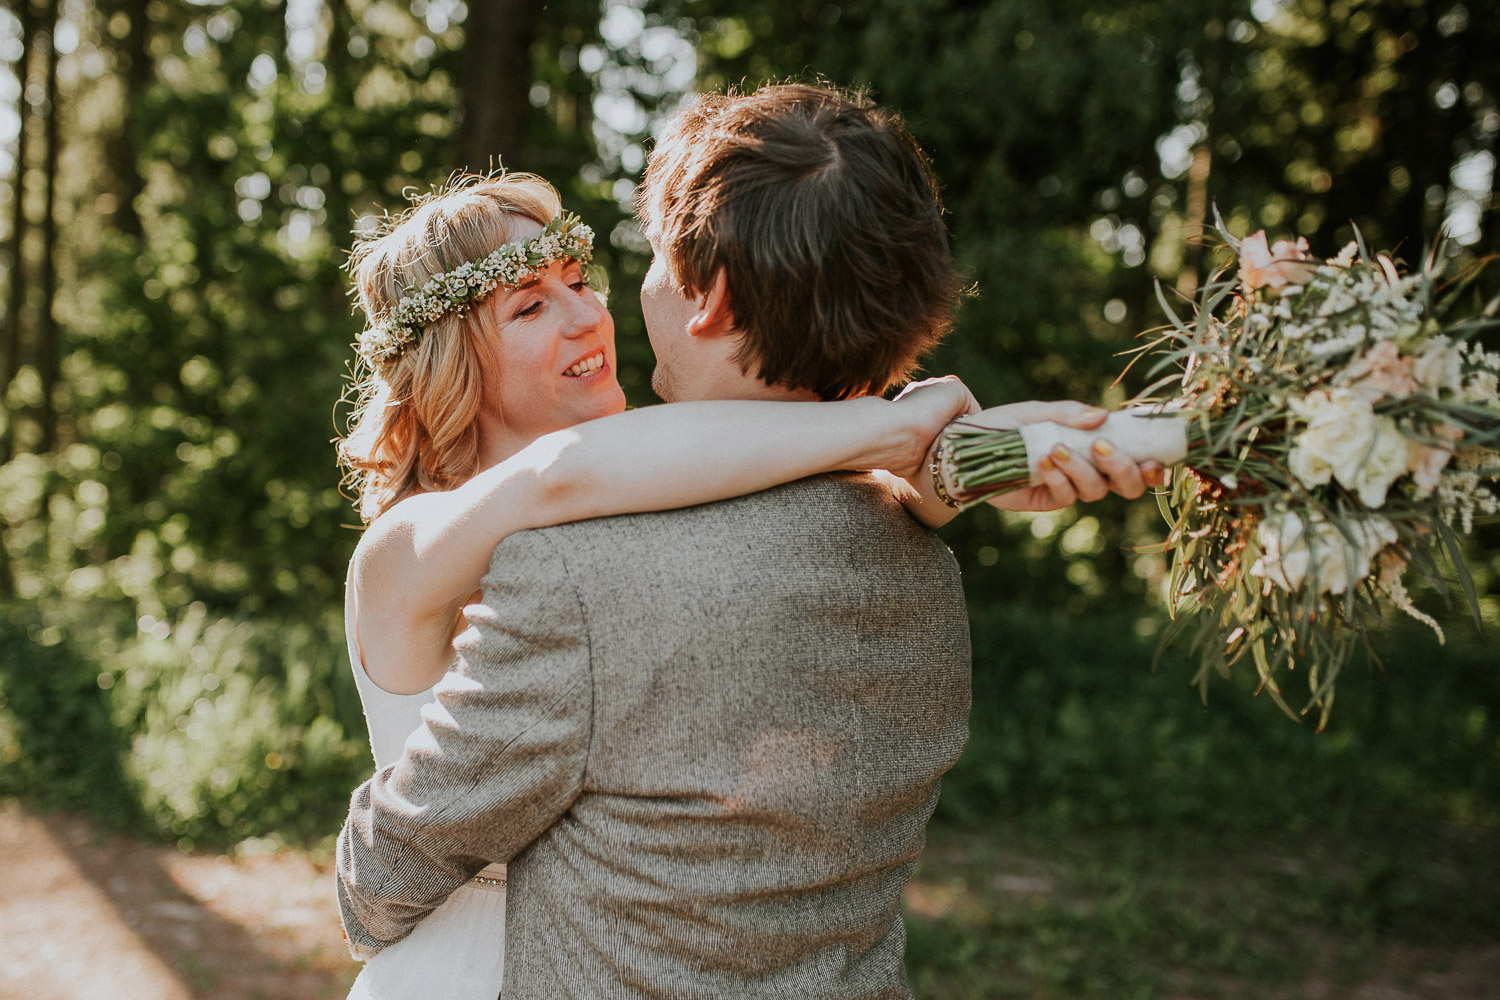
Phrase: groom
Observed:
(708, 741)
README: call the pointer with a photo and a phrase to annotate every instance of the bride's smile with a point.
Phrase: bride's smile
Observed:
(551, 357)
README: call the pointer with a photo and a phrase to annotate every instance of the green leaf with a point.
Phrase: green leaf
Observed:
(1456, 556)
(1164, 504)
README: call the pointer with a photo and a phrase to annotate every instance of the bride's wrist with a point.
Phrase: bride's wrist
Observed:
(868, 426)
(904, 434)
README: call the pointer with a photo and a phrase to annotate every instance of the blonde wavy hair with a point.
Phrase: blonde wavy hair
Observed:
(413, 427)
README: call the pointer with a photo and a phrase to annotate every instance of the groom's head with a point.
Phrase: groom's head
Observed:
(801, 227)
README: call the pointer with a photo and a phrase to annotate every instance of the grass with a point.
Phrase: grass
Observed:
(1007, 912)
(1104, 836)
(201, 730)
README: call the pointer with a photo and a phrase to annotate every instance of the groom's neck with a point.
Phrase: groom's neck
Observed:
(734, 384)
(771, 393)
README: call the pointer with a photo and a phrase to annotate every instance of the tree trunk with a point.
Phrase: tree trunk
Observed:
(1196, 222)
(15, 299)
(47, 348)
(133, 53)
(336, 59)
(495, 85)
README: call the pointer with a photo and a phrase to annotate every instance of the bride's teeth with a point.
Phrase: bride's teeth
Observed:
(586, 366)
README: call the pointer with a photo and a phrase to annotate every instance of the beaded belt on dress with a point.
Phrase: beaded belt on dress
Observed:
(490, 878)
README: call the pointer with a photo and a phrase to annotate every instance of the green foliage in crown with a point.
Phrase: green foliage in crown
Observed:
(564, 238)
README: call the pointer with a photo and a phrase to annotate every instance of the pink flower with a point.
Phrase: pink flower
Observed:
(1392, 564)
(1428, 461)
(1274, 267)
(1380, 372)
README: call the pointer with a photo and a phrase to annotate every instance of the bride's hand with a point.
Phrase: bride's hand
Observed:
(1067, 477)
(919, 414)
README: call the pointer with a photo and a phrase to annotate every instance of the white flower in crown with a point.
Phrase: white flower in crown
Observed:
(564, 238)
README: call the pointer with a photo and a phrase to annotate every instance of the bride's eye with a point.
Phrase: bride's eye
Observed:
(529, 310)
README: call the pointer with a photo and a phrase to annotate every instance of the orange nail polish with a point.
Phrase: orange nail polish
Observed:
(1061, 453)
(1103, 448)
(1045, 464)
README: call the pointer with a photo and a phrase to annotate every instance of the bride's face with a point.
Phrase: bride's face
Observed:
(553, 355)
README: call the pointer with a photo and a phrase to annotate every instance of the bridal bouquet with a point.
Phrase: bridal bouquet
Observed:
(1334, 426)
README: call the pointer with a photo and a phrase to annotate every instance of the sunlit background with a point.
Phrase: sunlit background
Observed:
(179, 186)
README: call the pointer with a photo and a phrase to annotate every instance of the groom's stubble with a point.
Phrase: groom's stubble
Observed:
(663, 383)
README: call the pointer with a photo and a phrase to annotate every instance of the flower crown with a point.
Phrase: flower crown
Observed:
(566, 237)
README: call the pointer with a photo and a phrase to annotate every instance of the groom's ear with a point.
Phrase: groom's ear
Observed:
(713, 315)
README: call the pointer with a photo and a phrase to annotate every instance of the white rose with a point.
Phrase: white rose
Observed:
(1340, 429)
(1387, 459)
(1310, 469)
(1287, 553)
(1439, 366)
(1334, 560)
(1284, 553)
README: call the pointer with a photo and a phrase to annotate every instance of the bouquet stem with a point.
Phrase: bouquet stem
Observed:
(978, 461)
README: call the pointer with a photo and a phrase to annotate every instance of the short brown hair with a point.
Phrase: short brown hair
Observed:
(824, 216)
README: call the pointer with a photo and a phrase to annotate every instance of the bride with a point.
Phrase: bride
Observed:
(487, 403)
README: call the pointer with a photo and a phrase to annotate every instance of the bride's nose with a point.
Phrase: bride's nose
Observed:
(583, 315)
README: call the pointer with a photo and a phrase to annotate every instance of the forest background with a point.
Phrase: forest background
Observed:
(179, 186)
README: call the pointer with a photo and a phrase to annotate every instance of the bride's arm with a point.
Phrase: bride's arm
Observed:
(423, 559)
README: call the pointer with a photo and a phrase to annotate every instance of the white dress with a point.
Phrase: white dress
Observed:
(457, 952)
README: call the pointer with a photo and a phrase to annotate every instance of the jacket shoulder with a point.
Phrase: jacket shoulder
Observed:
(826, 502)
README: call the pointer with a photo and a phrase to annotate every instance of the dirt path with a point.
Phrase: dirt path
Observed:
(86, 915)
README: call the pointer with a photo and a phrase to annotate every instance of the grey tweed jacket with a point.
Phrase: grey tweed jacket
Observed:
(707, 741)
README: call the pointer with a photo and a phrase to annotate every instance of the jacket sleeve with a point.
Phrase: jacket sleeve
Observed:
(498, 759)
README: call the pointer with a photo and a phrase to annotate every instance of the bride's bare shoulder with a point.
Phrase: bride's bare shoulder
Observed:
(388, 544)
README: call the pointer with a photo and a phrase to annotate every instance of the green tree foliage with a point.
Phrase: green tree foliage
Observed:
(1081, 148)
(213, 163)
(171, 508)
(207, 323)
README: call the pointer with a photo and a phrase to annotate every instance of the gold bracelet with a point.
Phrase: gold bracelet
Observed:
(938, 487)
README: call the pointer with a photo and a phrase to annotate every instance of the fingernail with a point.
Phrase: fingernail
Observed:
(1152, 474)
(1061, 453)
(1045, 464)
(1103, 448)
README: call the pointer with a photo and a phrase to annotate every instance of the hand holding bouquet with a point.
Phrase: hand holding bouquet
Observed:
(1335, 427)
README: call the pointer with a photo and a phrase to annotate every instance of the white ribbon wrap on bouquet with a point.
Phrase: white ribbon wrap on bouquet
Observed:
(1140, 434)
